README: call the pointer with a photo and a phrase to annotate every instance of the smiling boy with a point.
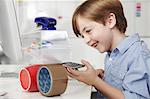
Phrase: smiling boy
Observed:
(126, 72)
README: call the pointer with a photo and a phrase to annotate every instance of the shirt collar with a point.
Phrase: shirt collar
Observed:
(127, 42)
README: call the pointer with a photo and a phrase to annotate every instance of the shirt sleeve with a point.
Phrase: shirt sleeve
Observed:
(136, 83)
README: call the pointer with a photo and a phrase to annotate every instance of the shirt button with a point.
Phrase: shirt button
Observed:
(110, 59)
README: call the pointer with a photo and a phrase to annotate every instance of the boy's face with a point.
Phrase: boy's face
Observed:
(95, 34)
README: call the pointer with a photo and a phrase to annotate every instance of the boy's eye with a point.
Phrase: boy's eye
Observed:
(87, 31)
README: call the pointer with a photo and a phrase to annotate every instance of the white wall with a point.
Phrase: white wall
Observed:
(62, 10)
(137, 18)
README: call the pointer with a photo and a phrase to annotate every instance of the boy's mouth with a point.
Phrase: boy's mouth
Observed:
(95, 44)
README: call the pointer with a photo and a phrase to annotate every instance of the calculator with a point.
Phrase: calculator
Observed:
(72, 65)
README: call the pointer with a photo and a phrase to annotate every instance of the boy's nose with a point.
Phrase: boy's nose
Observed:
(87, 38)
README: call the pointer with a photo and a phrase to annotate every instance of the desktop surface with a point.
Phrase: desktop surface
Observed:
(10, 88)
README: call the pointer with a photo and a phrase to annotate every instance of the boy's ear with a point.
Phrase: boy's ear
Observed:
(111, 20)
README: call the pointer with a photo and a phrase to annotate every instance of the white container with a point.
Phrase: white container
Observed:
(53, 35)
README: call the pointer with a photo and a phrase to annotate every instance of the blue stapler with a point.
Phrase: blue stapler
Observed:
(46, 23)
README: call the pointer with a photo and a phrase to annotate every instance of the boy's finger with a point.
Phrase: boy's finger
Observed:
(69, 74)
(87, 64)
(99, 71)
(73, 72)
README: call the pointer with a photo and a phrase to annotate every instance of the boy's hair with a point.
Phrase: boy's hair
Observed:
(99, 10)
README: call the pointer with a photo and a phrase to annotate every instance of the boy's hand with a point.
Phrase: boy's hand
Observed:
(88, 76)
(100, 73)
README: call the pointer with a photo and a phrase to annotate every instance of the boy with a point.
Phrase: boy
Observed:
(127, 64)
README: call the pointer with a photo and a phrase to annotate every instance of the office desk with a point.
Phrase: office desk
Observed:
(75, 90)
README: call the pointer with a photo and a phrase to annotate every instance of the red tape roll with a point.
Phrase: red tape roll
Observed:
(27, 78)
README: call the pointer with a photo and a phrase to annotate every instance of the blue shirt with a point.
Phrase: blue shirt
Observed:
(127, 68)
